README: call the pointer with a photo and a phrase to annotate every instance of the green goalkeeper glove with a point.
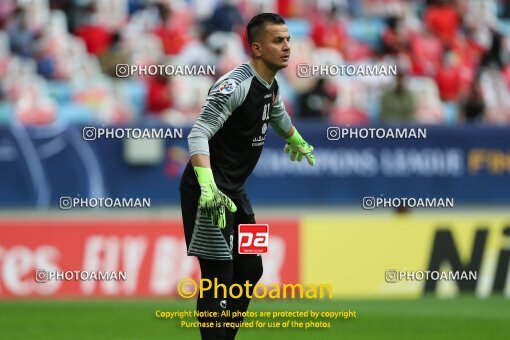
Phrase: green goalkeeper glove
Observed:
(212, 201)
(298, 148)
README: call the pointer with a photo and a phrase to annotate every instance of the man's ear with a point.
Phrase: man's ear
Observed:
(255, 49)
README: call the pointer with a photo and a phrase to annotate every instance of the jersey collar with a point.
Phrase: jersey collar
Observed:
(263, 82)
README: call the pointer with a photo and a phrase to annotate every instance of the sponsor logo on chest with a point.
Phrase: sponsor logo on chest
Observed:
(266, 112)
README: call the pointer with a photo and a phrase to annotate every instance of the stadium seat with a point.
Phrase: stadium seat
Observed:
(327, 56)
(504, 27)
(496, 94)
(351, 103)
(57, 25)
(134, 93)
(112, 13)
(145, 49)
(298, 28)
(60, 91)
(450, 112)
(367, 30)
(188, 93)
(4, 45)
(75, 113)
(6, 112)
(429, 108)
(349, 116)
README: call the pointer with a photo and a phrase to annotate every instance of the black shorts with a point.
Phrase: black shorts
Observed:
(205, 240)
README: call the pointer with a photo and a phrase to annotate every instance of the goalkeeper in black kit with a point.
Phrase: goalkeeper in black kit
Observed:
(225, 144)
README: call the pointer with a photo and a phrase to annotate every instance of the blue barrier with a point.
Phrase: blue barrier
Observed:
(470, 164)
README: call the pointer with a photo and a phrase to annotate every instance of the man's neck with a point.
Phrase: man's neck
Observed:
(262, 70)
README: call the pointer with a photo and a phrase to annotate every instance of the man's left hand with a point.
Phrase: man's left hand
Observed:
(297, 151)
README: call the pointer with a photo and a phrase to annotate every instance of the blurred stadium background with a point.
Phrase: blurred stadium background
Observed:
(57, 75)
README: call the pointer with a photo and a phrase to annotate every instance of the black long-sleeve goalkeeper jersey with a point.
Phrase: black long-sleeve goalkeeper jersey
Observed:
(232, 126)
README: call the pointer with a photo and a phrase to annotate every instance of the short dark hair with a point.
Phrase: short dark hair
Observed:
(258, 22)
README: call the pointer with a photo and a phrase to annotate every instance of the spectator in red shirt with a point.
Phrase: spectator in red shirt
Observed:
(426, 53)
(448, 77)
(96, 37)
(327, 31)
(443, 20)
(172, 31)
(289, 8)
(159, 96)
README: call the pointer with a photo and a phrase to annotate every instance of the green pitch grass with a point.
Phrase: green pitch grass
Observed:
(427, 318)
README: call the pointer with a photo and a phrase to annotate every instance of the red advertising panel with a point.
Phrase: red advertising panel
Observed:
(116, 257)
